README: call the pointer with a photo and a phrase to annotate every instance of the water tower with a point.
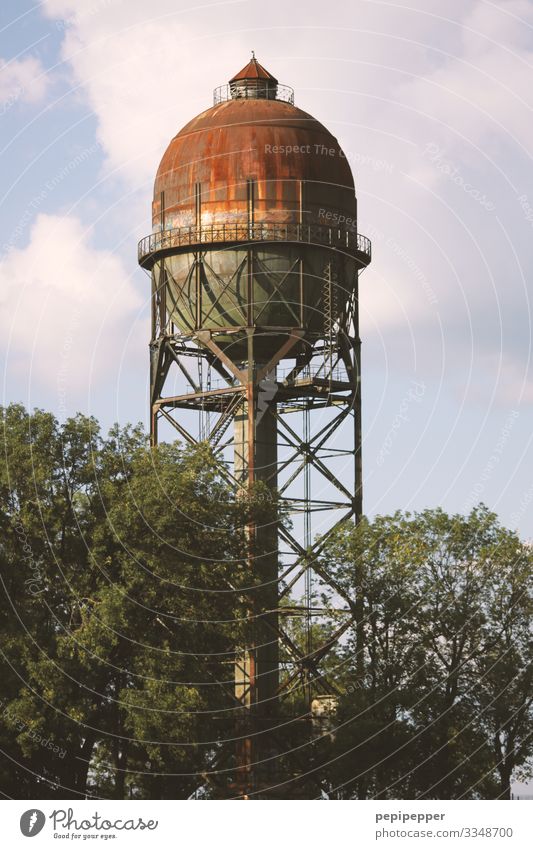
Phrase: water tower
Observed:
(254, 259)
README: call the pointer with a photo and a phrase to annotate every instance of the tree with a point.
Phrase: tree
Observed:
(437, 674)
(123, 605)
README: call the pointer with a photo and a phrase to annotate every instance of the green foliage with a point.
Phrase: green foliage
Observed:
(122, 569)
(126, 591)
(437, 673)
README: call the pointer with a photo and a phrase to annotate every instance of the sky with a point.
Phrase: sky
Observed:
(432, 103)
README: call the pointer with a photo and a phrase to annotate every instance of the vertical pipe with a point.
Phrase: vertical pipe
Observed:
(162, 298)
(153, 426)
(358, 490)
(307, 546)
(250, 199)
(153, 304)
(197, 260)
(301, 262)
(302, 292)
(198, 288)
(198, 206)
(358, 482)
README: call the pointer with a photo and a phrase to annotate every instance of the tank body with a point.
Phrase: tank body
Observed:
(266, 191)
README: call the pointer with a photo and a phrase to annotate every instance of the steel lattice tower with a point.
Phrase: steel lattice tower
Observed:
(254, 260)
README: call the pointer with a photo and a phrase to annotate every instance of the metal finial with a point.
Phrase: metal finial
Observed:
(253, 54)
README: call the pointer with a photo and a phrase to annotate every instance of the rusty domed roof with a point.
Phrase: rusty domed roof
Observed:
(273, 142)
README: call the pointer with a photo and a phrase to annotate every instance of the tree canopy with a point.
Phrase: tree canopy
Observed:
(437, 673)
(125, 595)
(121, 569)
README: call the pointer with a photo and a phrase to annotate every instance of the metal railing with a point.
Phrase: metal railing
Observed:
(253, 92)
(312, 234)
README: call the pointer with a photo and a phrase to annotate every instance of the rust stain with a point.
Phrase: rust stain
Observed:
(270, 141)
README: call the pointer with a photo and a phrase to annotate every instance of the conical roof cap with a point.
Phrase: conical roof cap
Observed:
(253, 71)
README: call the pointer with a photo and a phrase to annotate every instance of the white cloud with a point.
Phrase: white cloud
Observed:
(22, 80)
(65, 305)
(481, 93)
(144, 73)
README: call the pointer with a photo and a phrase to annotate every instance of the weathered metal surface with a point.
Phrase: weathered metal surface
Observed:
(227, 291)
(271, 142)
(253, 71)
(253, 81)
